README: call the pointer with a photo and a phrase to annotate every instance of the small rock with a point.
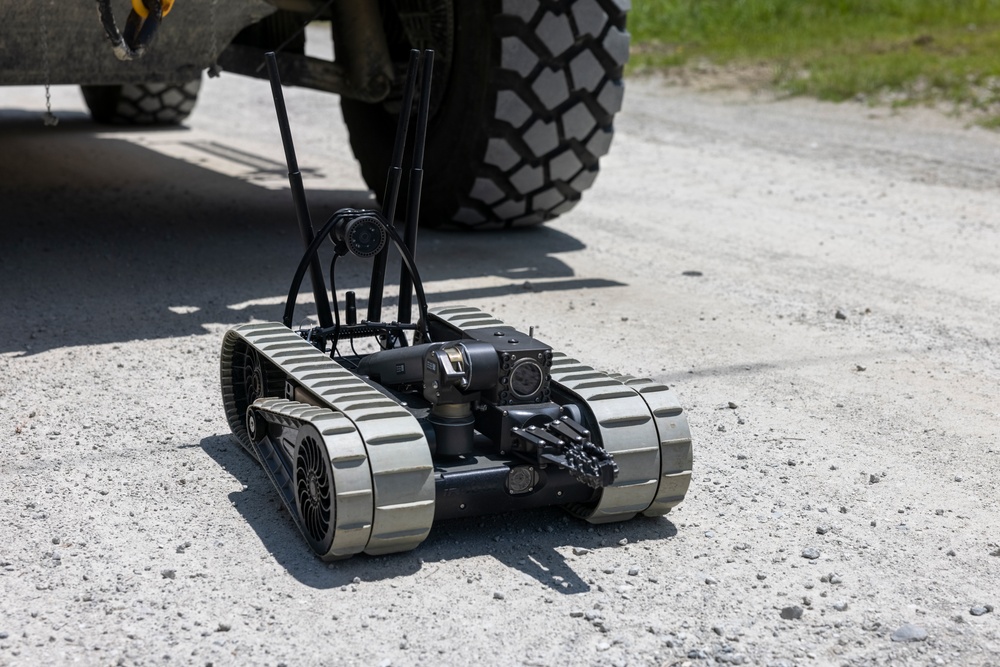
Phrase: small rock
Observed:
(843, 510)
(981, 609)
(939, 512)
(168, 574)
(909, 633)
(995, 552)
(622, 542)
(710, 581)
(580, 551)
(603, 646)
(697, 654)
(874, 479)
(719, 630)
(692, 274)
(497, 595)
(840, 315)
(732, 406)
(633, 572)
(822, 530)
(224, 627)
(761, 576)
(840, 606)
(950, 552)
(710, 534)
(792, 613)
(812, 553)
(576, 614)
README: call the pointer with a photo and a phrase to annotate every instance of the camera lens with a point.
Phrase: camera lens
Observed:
(365, 236)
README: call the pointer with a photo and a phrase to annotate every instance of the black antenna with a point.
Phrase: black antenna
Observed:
(392, 188)
(416, 186)
(298, 193)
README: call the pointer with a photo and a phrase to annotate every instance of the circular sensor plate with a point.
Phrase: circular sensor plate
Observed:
(526, 378)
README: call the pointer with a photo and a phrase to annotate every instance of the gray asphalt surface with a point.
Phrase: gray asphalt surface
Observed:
(846, 465)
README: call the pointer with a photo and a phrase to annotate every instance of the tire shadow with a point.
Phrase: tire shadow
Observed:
(117, 236)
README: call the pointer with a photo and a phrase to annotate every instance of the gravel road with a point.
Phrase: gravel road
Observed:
(819, 283)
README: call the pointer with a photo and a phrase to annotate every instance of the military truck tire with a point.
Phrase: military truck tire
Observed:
(525, 116)
(143, 103)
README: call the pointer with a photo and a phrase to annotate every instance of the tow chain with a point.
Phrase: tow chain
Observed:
(140, 27)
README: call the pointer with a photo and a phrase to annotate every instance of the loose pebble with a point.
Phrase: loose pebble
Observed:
(791, 613)
(812, 553)
(909, 633)
(981, 609)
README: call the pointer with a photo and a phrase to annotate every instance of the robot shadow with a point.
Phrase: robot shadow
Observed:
(544, 545)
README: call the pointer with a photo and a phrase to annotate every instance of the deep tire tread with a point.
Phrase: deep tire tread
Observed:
(142, 103)
(526, 116)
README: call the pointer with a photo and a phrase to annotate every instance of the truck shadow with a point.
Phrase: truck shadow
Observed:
(109, 238)
(545, 545)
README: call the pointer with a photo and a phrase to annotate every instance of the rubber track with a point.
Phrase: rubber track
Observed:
(641, 425)
(398, 453)
(352, 479)
(676, 453)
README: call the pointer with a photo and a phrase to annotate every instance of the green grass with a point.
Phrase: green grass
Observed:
(905, 51)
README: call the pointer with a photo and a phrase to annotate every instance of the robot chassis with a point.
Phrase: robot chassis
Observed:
(474, 417)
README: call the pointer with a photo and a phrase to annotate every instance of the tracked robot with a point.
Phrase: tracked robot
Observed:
(456, 415)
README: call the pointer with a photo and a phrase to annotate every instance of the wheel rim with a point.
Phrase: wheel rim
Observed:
(313, 489)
